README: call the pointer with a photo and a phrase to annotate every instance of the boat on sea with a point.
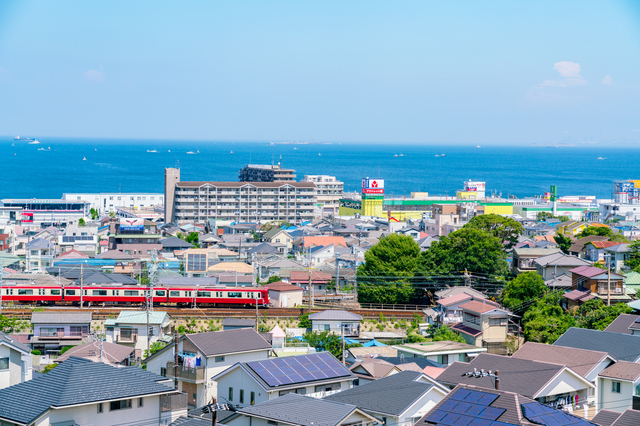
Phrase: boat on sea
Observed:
(271, 144)
(18, 138)
(151, 150)
(319, 154)
(169, 150)
(295, 147)
(395, 155)
(231, 152)
(602, 158)
(34, 142)
(41, 149)
(401, 155)
(84, 158)
(478, 146)
(190, 152)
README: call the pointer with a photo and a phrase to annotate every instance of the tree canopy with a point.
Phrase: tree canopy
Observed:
(326, 341)
(445, 333)
(469, 249)
(603, 232)
(633, 260)
(503, 228)
(524, 287)
(546, 321)
(564, 242)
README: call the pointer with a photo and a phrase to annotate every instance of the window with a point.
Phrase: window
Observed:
(204, 294)
(100, 407)
(497, 321)
(4, 363)
(253, 398)
(160, 293)
(148, 252)
(151, 331)
(241, 396)
(24, 292)
(70, 292)
(327, 327)
(77, 330)
(140, 402)
(219, 359)
(131, 292)
(99, 292)
(163, 371)
(272, 423)
(471, 318)
(230, 394)
(55, 292)
(174, 293)
(119, 405)
(234, 294)
(615, 387)
(444, 359)
(327, 388)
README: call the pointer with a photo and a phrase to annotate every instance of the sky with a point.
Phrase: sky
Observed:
(424, 72)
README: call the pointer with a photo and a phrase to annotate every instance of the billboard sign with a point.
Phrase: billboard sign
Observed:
(372, 186)
(130, 224)
(474, 186)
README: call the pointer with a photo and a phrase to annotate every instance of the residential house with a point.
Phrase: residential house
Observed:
(336, 321)
(543, 381)
(130, 329)
(563, 281)
(398, 400)
(54, 330)
(484, 324)
(622, 347)
(617, 255)
(557, 264)
(299, 410)
(595, 250)
(443, 352)
(578, 247)
(475, 405)
(632, 283)
(614, 418)
(356, 354)
(576, 298)
(320, 254)
(82, 392)
(619, 387)
(208, 240)
(284, 295)
(599, 282)
(623, 323)
(236, 323)
(15, 361)
(227, 279)
(453, 291)
(280, 236)
(524, 258)
(448, 308)
(39, 255)
(318, 280)
(370, 369)
(134, 236)
(571, 227)
(266, 250)
(101, 351)
(249, 383)
(216, 350)
(171, 244)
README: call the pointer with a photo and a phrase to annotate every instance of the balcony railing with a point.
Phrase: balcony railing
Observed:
(176, 401)
(61, 335)
(194, 374)
(127, 338)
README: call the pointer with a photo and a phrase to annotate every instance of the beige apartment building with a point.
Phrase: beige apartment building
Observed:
(328, 193)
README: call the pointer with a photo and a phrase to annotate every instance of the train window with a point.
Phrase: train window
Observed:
(131, 292)
(55, 292)
(24, 292)
(175, 293)
(160, 293)
(85, 292)
(235, 294)
(70, 292)
(99, 292)
(204, 294)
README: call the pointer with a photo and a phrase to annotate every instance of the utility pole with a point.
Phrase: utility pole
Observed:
(608, 282)
(214, 412)
(310, 291)
(343, 344)
(81, 291)
(175, 360)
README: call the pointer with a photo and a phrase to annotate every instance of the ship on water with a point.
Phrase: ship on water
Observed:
(18, 138)
(34, 142)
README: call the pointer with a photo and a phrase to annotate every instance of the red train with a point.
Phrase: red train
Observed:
(114, 295)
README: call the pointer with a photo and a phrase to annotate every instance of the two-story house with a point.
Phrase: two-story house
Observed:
(134, 236)
(524, 258)
(442, 352)
(15, 361)
(619, 387)
(39, 255)
(596, 250)
(617, 256)
(557, 264)
(83, 239)
(336, 321)
(448, 308)
(130, 329)
(484, 324)
(54, 330)
(604, 285)
(202, 356)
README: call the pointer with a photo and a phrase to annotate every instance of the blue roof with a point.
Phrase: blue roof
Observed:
(374, 342)
(137, 317)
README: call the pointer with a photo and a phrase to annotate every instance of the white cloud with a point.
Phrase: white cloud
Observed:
(97, 76)
(571, 73)
(607, 79)
(564, 131)
(636, 130)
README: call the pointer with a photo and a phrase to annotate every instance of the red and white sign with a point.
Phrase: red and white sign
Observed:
(373, 191)
(372, 186)
(474, 186)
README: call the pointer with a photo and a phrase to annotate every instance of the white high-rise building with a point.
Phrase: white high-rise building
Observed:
(328, 193)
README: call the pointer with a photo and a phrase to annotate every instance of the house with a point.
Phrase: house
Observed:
(602, 284)
(15, 361)
(619, 387)
(217, 351)
(398, 400)
(543, 381)
(448, 308)
(356, 353)
(623, 323)
(319, 280)
(557, 264)
(443, 352)
(524, 258)
(595, 250)
(617, 256)
(575, 298)
(258, 381)
(589, 364)
(136, 237)
(284, 295)
(299, 410)
(276, 268)
(561, 282)
(235, 323)
(622, 347)
(370, 369)
(336, 321)
(130, 329)
(453, 291)
(614, 418)
(484, 324)
(39, 255)
(82, 392)
(320, 254)
(100, 351)
(277, 235)
(486, 406)
(54, 330)
(571, 227)
(171, 244)
(578, 247)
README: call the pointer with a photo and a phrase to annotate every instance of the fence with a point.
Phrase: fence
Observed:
(176, 401)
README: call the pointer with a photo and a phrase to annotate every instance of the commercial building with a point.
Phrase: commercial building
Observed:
(266, 173)
(328, 193)
(105, 202)
(42, 213)
(191, 202)
(136, 237)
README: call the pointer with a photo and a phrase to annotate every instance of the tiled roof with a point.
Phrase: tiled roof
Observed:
(112, 353)
(623, 347)
(628, 418)
(452, 291)
(375, 368)
(561, 259)
(192, 421)
(76, 381)
(60, 318)
(282, 286)
(606, 417)
(592, 271)
(303, 276)
(175, 242)
(604, 244)
(139, 317)
(466, 330)
(622, 323)
(324, 240)
(238, 322)
(39, 243)
(72, 254)
(623, 370)
(452, 300)
(578, 296)
(228, 341)
(335, 315)
(13, 342)
(480, 306)
(581, 361)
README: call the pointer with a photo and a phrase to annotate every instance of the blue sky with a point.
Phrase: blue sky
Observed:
(416, 72)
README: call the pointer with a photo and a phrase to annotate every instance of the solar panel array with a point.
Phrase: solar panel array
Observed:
(543, 415)
(468, 408)
(298, 369)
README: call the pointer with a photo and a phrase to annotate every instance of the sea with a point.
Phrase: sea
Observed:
(56, 166)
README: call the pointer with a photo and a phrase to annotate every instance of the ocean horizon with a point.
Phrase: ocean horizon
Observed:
(123, 165)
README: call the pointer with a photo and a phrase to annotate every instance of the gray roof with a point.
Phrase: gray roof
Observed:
(620, 248)
(102, 278)
(581, 361)
(263, 248)
(112, 353)
(335, 315)
(8, 340)
(534, 252)
(623, 347)
(628, 418)
(516, 375)
(454, 291)
(301, 410)
(391, 395)
(228, 341)
(190, 421)
(606, 417)
(39, 243)
(561, 259)
(76, 381)
(622, 323)
(61, 318)
(175, 242)
(238, 322)
(564, 280)
(187, 281)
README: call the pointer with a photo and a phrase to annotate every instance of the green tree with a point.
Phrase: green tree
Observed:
(503, 228)
(595, 315)
(64, 349)
(524, 287)
(385, 276)
(305, 322)
(94, 213)
(191, 238)
(546, 321)
(155, 347)
(326, 341)
(112, 214)
(633, 260)
(603, 232)
(445, 333)
(272, 279)
(49, 367)
(81, 222)
(564, 242)
(12, 325)
(469, 249)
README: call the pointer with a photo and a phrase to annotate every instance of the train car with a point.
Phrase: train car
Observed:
(30, 294)
(105, 294)
(219, 296)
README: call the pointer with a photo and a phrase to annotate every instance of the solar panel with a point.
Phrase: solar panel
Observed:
(548, 416)
(491, 413)
(468, 408)
(285, 371)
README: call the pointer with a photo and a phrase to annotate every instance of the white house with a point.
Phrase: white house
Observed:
(336, 321)
(82, 392)
(443, 352)
(130, 329)
(15, 362)
(249, 383)
(619, 386)
(202, 356)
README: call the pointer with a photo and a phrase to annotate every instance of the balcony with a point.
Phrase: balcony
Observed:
(61, 335)
(196, 374)
(126, 337)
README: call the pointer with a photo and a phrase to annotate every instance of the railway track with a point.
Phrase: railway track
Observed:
(204, 313)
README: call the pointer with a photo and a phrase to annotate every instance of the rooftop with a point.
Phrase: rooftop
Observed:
(623, 347)
(622, 323)
(228, 341)
(335, 315)
(60, 318)
(441, 346)
(112, 353)
(622, 370)
(138, 317)
(581, 361)
(480, 306)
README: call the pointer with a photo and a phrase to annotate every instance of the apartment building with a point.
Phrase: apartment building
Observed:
(106, 202)
(42, 213)
(266, 173)
(238, 201)
(328, 193)
(136, 237)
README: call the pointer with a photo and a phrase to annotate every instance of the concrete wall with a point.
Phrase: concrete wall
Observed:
(293, 298)
(608, 400)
